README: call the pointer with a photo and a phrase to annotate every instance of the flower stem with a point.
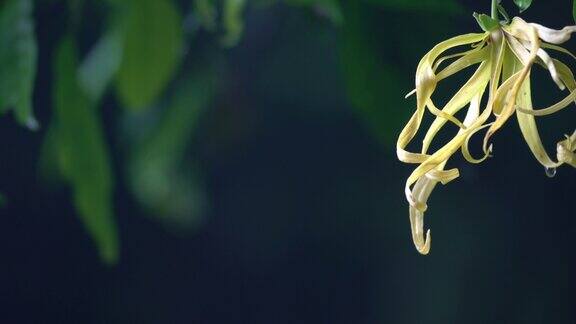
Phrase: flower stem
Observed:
(495, 9)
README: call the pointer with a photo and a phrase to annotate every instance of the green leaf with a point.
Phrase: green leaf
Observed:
(486, 22)
(152, 51)
(18, 54)
(206, 12)
(83, 154)
(102, 63)
(160, 177)
(435, 6)
(523, 4)
(574, 10)
(375, 88)
(232, 21)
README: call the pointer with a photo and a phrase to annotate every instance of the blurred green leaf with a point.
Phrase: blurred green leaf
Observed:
(574, 10)
(376, 88)
(101, 64)
(83, 154)
(49, 160)
(523, 4)
(160, 178)
(152, 51)
(206, 12)
(18, 53)
(444, 6)
(328, 8)
(232, 21)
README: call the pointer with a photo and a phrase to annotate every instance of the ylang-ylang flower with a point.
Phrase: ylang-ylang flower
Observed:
(498, 91)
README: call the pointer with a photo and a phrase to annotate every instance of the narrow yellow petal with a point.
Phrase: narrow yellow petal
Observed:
(510, 104)
(476, 84)
(552, 35)
(474, 57)
(527, 122)
(565, 150)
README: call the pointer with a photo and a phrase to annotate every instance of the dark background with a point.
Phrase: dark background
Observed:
(307, 220)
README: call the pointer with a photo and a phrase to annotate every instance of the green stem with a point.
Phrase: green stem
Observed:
(495, 9)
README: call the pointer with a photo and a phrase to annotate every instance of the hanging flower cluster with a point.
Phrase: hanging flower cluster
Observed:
(498, 90)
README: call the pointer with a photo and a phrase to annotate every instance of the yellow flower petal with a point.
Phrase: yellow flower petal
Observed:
(565, 150)
(552, 35)
(473, 86)
(520, 29)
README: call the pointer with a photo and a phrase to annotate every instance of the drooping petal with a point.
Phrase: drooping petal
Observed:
(522, 48)
(552, 35)
(559, 49)
(442, 155)
(522, 30)
(567, 78)
(466, 150)
(425, 76)
(475, 49)
(425, 86)
(441, 114)
(527, 122)
(471, 88)
(549, 63)
(567, 101)
(475, 57)
(422, 190)
(424, 185)
(565, 150)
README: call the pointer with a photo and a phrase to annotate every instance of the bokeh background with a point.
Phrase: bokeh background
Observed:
(258, 182)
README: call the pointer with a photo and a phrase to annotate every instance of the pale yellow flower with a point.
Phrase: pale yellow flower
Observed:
(504, 57)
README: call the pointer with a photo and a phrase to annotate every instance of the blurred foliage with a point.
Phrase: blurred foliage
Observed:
(17, 59)
(83, 157)
(523, 4)
(102, 62)
(232, 21)
(161, 177)
(434, 6)
(369, 79)
(152, 51)
(165, 61)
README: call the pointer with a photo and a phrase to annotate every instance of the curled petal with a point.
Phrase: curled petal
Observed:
(425, 77)
(565, 150)
(405, 137)
(441, 114)
(418, 196)
(552, 109)
(474, 57)
(551, 68)
(466, 151)
(425, 86)
(522, 30)
(527, 122)
(422, 191)
(567, 78)
(475, 48)
(554, 36)
(475, 85)
(522, 48)
(443, 176)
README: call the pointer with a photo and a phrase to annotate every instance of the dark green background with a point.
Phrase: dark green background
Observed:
(306, 219)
